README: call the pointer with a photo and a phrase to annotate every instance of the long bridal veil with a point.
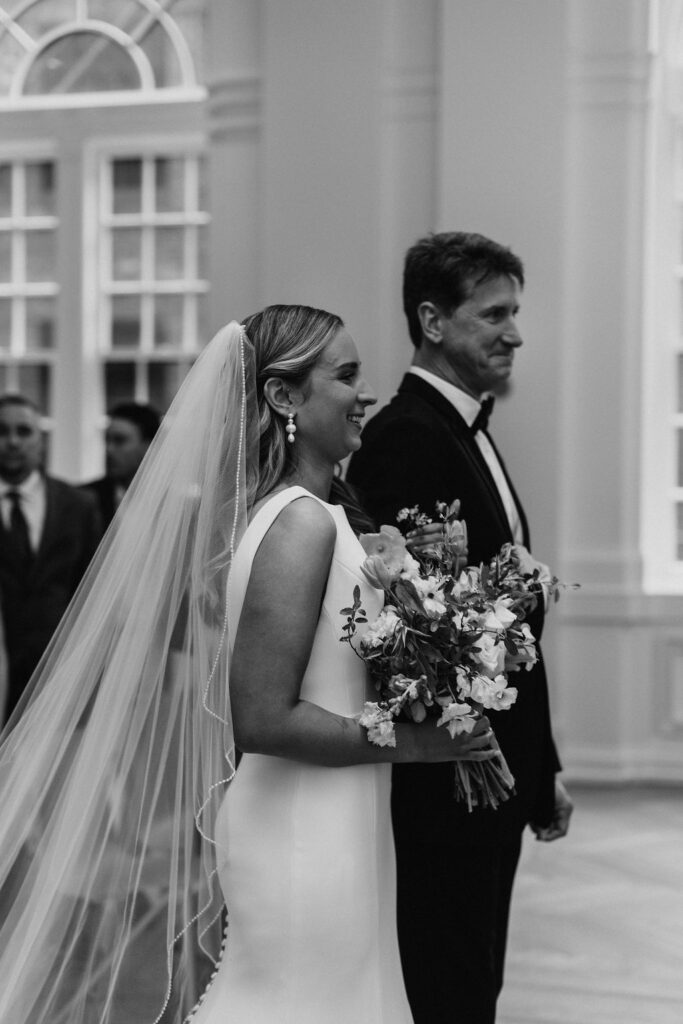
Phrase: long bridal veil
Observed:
(113, 768)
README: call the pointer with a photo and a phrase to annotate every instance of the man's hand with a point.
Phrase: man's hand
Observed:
(559, 826)
(423, 539)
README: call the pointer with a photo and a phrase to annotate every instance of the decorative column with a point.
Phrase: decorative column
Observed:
(235, 121)
(620, 660)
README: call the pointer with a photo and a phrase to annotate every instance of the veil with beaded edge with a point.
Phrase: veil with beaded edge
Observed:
(113, 767)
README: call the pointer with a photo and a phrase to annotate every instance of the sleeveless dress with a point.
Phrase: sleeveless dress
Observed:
(306, 854)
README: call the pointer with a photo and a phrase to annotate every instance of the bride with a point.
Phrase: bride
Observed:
(208, 621)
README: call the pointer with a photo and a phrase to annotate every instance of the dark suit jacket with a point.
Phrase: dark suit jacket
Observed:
(34, 600)
(104, 491)
(419, 450)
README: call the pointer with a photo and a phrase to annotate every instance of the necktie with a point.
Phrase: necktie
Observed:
(18, 528)
(481, 420)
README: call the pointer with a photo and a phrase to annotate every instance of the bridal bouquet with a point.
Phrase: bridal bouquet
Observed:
(447, 638)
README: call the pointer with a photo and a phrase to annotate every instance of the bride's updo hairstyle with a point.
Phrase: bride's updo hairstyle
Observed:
(287, 342)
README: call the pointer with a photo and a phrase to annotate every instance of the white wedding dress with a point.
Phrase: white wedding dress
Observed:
(306, 855)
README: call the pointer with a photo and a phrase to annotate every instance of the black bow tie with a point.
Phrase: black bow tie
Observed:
(481, 420)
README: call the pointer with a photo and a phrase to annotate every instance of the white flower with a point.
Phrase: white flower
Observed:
(405, 687)
(457, 718)
(428, 587)
(463, 682)
(490, 655)
(504, 699)
(493, 693)
(379, 723)
(500, 616)
(464, 619)
(410, 568)
(384, 626)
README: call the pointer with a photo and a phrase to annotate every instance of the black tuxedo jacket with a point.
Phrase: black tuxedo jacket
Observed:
(416, 451)
(104, 491)
(34, 599)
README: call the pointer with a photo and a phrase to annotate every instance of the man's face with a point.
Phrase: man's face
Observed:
(480, 336)
(21, 443)
(125, 449)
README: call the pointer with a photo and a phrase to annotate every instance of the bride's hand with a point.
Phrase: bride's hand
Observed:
(433, 742)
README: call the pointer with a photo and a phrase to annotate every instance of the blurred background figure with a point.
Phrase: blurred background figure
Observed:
(49, 532)
(129, 433)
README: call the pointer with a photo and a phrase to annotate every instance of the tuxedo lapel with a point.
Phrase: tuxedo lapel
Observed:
(459, 431)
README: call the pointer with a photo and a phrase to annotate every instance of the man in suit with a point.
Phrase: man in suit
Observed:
(129, 434)
(456, 868)
(48, 533)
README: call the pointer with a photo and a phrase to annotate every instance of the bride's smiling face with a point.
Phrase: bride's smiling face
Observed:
(333, 401)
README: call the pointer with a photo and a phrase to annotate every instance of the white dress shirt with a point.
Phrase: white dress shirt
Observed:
(32, 502)
(468, 407)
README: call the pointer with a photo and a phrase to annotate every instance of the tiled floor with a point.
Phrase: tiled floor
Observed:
(596, 934)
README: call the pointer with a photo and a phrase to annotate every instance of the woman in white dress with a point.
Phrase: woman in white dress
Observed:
(107, 883)
(306, 855)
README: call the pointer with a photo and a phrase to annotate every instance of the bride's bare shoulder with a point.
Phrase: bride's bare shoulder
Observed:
(303, 534)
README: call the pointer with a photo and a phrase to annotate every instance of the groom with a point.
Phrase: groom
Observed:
(461, 296)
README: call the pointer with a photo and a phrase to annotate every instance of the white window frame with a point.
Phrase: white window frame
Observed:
(17, 354)
(148, 91)
(95, 263)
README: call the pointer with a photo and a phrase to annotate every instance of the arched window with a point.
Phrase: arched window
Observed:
(58, 48)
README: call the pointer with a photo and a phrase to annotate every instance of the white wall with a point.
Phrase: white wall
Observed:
(343, 131)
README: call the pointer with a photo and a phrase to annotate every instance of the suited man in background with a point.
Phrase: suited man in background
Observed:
(130, 431)
(456, 869)
(49, 531)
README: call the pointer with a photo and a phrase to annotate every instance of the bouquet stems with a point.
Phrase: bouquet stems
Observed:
(484, 783)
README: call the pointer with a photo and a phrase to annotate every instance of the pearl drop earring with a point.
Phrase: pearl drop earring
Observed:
(290, 428)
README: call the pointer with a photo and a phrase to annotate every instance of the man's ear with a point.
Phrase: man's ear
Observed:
(280, 396)
(431, 322)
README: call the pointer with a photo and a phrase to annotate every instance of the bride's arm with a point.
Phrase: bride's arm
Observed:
(272, 648)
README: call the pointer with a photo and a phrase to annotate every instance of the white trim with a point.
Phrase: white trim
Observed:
(12, 29)
(177, 39)
(134, 146)
(153, 220)
(101, 28)
(152, 13)
(154, 286)
(28, 289)
(27, 222)
(113, 98)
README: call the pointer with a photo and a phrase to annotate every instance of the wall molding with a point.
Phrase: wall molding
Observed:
(410, 94)
(234, 104)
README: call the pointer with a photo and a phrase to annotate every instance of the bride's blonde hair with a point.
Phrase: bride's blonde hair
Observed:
(287, 343)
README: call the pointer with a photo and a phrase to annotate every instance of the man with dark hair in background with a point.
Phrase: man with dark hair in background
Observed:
(49, 531)
(130, 431)
(456, 869)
